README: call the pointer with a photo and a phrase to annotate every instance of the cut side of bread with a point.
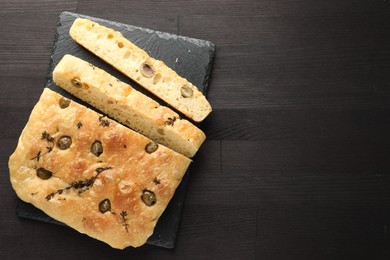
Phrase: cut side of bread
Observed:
(92, 173)
(128, 106)
(154, 75)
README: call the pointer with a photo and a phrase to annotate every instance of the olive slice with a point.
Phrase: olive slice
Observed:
(147, 70)
(76, 82)
(44, 174)
(186, 92)
(97, 148)
(105, 205)
(151, 147)
(64, 142)
(148, 197)
(64, 102)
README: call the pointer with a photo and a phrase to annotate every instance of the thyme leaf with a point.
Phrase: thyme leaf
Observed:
(123, 215)
(37, 156)
(156, 181)
(40, 154)
(46, 136)
(80, 186)
(170, 121)
(104, 122)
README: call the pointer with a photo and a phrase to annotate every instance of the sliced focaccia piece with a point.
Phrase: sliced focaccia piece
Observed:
(154, 75)
(92, 173)
(132, 108)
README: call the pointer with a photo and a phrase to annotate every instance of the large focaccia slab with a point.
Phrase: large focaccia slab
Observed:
(92, 173)
(154, 75)
(130, 107)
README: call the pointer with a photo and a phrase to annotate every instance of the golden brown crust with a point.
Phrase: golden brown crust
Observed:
(130, 107)
(82, 177)
(154, 75)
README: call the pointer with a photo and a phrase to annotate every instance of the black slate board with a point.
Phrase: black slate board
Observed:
(190, 58)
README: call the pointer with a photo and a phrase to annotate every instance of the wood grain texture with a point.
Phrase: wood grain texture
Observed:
(27, 29)
(296, 162)
(300, 61)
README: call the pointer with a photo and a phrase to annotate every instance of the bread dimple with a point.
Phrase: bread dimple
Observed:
(130, 107)
(81, 180)
(154, 75)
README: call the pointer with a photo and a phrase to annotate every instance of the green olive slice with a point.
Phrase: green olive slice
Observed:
(148, 197)
(64, 102)
(76, 82)
(64, 142)
(105, 205)
(147, 70)
(186, 91)
(44, 174)
(151, 147)
(97, 148)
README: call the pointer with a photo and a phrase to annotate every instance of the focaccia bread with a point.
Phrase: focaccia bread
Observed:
(130, 107)
(92, 173)
(154, 75)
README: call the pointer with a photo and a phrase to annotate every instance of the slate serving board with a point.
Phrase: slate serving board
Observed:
(190, 58)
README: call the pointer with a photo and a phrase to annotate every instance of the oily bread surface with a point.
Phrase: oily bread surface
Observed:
(165, 83)
(132, 108)
(81, 180)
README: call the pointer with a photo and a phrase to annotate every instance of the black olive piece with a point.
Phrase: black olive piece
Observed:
(149, 198)
(76, 82)
(151, 147)
(186, 92)
(64, 142)
(105, 205)
(147, 70)
(44, 174)
(64, 102)
(97, 148)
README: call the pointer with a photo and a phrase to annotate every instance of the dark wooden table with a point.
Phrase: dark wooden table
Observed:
(297, 160)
